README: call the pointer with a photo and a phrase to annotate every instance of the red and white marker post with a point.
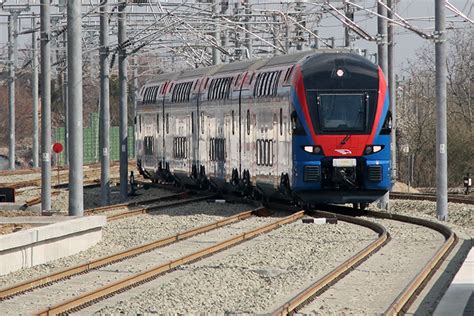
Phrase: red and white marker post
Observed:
(57, 148)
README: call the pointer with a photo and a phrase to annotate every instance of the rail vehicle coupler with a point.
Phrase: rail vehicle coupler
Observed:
(467, 184)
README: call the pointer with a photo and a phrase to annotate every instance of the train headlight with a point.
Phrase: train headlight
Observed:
(313, 149)
(370, 149)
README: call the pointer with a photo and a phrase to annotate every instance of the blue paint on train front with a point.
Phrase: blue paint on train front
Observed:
(382, 157)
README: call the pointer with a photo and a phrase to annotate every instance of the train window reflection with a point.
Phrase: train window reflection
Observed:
(342, 112)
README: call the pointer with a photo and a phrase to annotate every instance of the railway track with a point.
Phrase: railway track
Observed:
(146, 206)
(50, 279)
(431, 197)
(61, 168)
(11, 295)
(156, 271)
(399, 305)
(91, 176)
(406, 297)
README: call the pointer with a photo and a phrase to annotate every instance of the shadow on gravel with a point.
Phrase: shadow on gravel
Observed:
(92, 195)
(206, 207)
(431, 300)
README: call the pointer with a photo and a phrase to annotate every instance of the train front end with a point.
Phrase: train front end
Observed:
(341, 130)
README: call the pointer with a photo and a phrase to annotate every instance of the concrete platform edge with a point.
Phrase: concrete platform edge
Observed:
(49, 242)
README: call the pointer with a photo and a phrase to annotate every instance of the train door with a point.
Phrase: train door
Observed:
(247, 132)
(194, 146)
(167, 137)
(157, 144)
(203, 127)
(148, 122)
(232, 134)
(160, 124)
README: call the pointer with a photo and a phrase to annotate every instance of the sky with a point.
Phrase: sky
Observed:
(407, 43)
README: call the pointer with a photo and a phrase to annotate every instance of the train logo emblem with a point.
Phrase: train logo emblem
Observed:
(343, 151)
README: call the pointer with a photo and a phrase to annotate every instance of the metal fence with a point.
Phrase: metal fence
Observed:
(91, 142)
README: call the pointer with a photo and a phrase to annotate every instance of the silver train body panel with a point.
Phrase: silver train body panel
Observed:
(218, 118)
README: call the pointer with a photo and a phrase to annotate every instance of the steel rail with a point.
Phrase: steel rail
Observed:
(19, 172)
(148, 275)
(430, 197)
(48, 279)
(408, 295)
(154, 208)
(102, 209)
(336, 274)
(404, 300)
(38, 170)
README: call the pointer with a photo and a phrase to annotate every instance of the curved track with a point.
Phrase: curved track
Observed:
(406, 297)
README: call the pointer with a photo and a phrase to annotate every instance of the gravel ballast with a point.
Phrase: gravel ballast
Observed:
(376, 283)
(249, 278)
(460, 216)
(133, 231)
(64, 290)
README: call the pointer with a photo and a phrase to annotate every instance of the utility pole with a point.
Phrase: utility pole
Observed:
(122, 37)
(349, 12)
(237, 43)
(274, 31)
(441, 128)
(316, 39)
(45, 28)
(216, 54)
(391, 89)
(299, 30)
(62, 7)
(135, 86)
(382, 38)
(225, 34)
(104, 105)
(12, 62)
(74, 54)
(34, 88)
(248, 40)
(332, 40)
(65, 102)
(382, 62)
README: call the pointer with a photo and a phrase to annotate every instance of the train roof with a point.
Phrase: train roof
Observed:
(242, 66)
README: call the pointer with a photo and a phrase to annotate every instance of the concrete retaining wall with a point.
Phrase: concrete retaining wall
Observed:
(49, 242)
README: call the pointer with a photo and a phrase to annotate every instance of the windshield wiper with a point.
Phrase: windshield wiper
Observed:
(346, 139)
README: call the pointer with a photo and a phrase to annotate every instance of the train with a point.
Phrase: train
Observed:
(313, 127)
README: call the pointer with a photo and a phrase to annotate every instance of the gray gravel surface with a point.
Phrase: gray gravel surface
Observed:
(60, 202)
(376, 283)
(64, 290)
(133, 231)
(19, 177)
(249, 278)
(460, 216)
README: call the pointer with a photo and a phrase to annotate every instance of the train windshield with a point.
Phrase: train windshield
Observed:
(342, 113)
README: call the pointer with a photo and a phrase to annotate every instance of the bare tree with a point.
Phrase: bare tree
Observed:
(416, 115)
